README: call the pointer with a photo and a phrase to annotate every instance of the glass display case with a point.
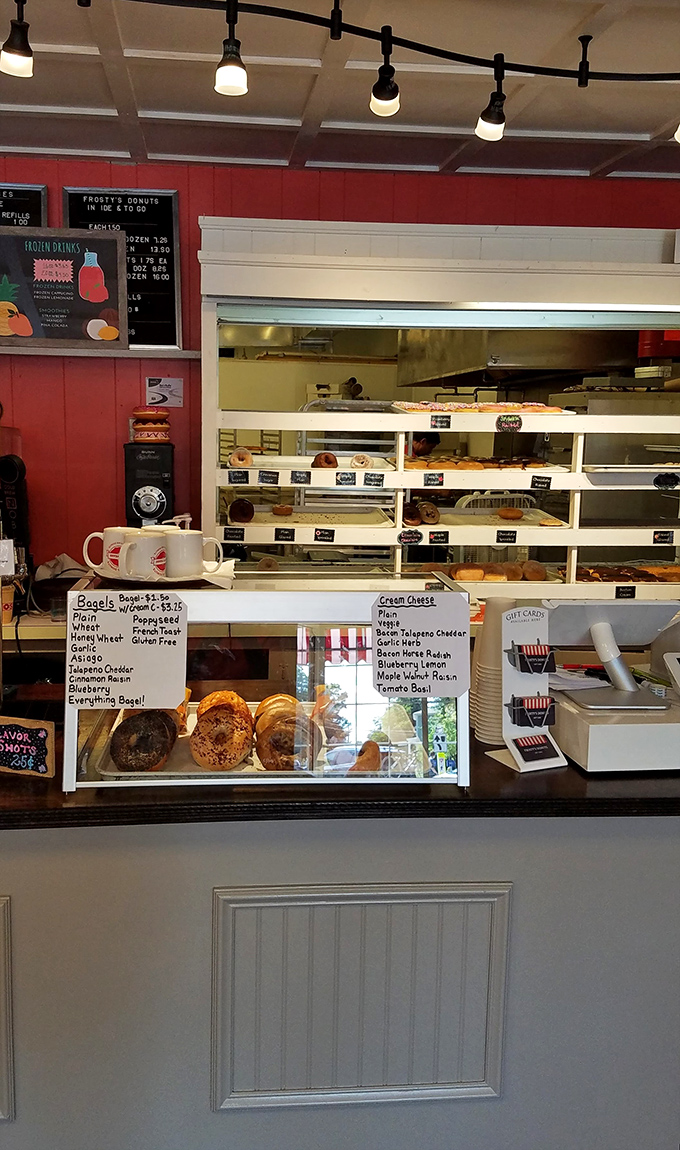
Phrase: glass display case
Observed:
(279, 690)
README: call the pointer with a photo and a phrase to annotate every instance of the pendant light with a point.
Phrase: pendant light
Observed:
(231, 78)
(491, 123)
(385, 94)
(16, 56)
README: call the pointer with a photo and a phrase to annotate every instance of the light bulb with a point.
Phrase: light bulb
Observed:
(16, 57)
(491, 123)
(487, 131)
(384, 107)
(677, 134)
(231, 78)
(385, 93)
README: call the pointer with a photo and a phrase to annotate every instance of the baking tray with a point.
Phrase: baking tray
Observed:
(373, 517)
(484, 517)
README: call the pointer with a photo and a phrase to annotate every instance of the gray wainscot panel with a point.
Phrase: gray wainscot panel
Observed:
(330, 994)
(6, 1046)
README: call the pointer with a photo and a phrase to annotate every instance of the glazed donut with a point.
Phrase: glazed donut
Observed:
(325, 459)
(368, 758)
(411, 515)
(282, 509)
(241, 511)
(428, 512)
(415, 464)
(510, 513)
(268, 563)
(469, 465)
(143, 742)
(223, 735)
(284, 741)
(270, 700)
(240, 458)
(363, 462)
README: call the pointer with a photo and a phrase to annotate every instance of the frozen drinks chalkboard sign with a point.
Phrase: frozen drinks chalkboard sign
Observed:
(148, 220)
(62, 289)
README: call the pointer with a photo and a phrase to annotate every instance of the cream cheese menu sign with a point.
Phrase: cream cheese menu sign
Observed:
(126, 649)
(421, 644)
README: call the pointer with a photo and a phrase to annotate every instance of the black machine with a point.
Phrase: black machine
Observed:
(149, 483)
(14, 504)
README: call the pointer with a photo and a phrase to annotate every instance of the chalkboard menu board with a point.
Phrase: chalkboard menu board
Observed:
(23, 205)
(148, 220)
(62, 288)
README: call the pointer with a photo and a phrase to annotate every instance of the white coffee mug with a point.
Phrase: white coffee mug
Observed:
(144, 555)
(185, 554)
(164, 528)
(112, 539)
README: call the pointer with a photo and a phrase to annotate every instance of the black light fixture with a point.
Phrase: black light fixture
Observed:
(584, 66)
(231, 78)
(16, 56)
(491, 123)
(336, 21)
(385, 93)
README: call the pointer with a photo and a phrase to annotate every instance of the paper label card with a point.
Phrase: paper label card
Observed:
(164, 391)
(421, 644)
(126, 649)
(7, 562)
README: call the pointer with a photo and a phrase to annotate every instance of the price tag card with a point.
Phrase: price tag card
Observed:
(301, 477)
(7, 563)
(411, 535)
(345, 479)
(421, 644)
(433, 479)
(234, 534)
(268, 478)
(627, 591)
(26, 747)
(126, 649)
(324, 535)
(509, 423)
(238, 478)
(440, 422)
(438, 537)
(541, 482)
(284, 534)
(663, 537)
(374, 479)
(506, 537)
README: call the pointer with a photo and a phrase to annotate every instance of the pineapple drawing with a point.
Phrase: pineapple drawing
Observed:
(12, 321)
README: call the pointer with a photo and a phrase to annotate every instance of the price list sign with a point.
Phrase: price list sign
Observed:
(421, 644)
(148, 220)
(23, 205)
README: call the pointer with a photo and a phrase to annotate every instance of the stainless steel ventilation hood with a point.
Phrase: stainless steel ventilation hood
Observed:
(440, 357)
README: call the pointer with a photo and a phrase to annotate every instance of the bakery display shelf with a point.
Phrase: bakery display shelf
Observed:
(394, 422)
(317, 527)
(547, 589)
(297, 471)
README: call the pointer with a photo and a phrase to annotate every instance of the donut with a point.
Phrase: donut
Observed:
(363, 462)
(150, 413)
(282, 509)
(268, 563)
(143, 741)
(368, 759)
(534, 571)
(411, 515)
(469, 465)
(270, 700)
(469, 572)
(146, 433)
(223, 735)
(415, 464)
(550, 521)
(241, 511)
(510, 513)
(428, 512)
(284, 742)
(494, 573)
(513, 572)
(325, 459)
(240, 458)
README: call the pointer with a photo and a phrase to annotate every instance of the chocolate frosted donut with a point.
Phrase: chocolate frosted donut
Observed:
(143, 742)
(411, 515)
(428, 512)
(325, 459)
(241, 511)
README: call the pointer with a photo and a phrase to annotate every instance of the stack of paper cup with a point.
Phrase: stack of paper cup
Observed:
(487, 681)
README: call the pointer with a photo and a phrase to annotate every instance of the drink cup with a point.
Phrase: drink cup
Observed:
(185, 555)
(143, 555)
(113, 539)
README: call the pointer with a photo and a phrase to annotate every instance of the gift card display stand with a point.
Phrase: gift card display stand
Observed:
(528, 708)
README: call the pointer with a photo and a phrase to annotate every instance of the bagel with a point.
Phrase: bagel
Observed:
(267, 703)
(325, 459)
(241, 511)
(368, 759)
(285, 741)
(267, 563)
(222, 699)
(143, 741)
(223, 735)
(241, 457)
(276, 711)
(428, 513)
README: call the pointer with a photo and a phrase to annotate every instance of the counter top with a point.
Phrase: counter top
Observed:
(496, 792)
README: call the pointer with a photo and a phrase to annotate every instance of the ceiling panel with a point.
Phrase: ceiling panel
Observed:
(561, 105)
(276, 92)
(391, 151)
(552, 155)
(643, 40)
(51, 133)
(73, 81)
(664, 159)
(217, 141)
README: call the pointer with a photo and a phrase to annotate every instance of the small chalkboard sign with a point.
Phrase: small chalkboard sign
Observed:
(666, 480)
(411, 536)
(509, 423)
(284, 534)
(438, 537)
(234, 534)
(148, 220)
(301, 477)
(663, 537)
(440, 422)
(374, 479)
(541, 482)
(345, 479)
(506, 537)
(433, 479)
(26, 747)
(268, 478)
(23, 205)
(324, 535)
(627, 591)
(237, 478)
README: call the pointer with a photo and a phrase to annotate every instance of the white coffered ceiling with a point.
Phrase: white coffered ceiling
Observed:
(125, 79)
